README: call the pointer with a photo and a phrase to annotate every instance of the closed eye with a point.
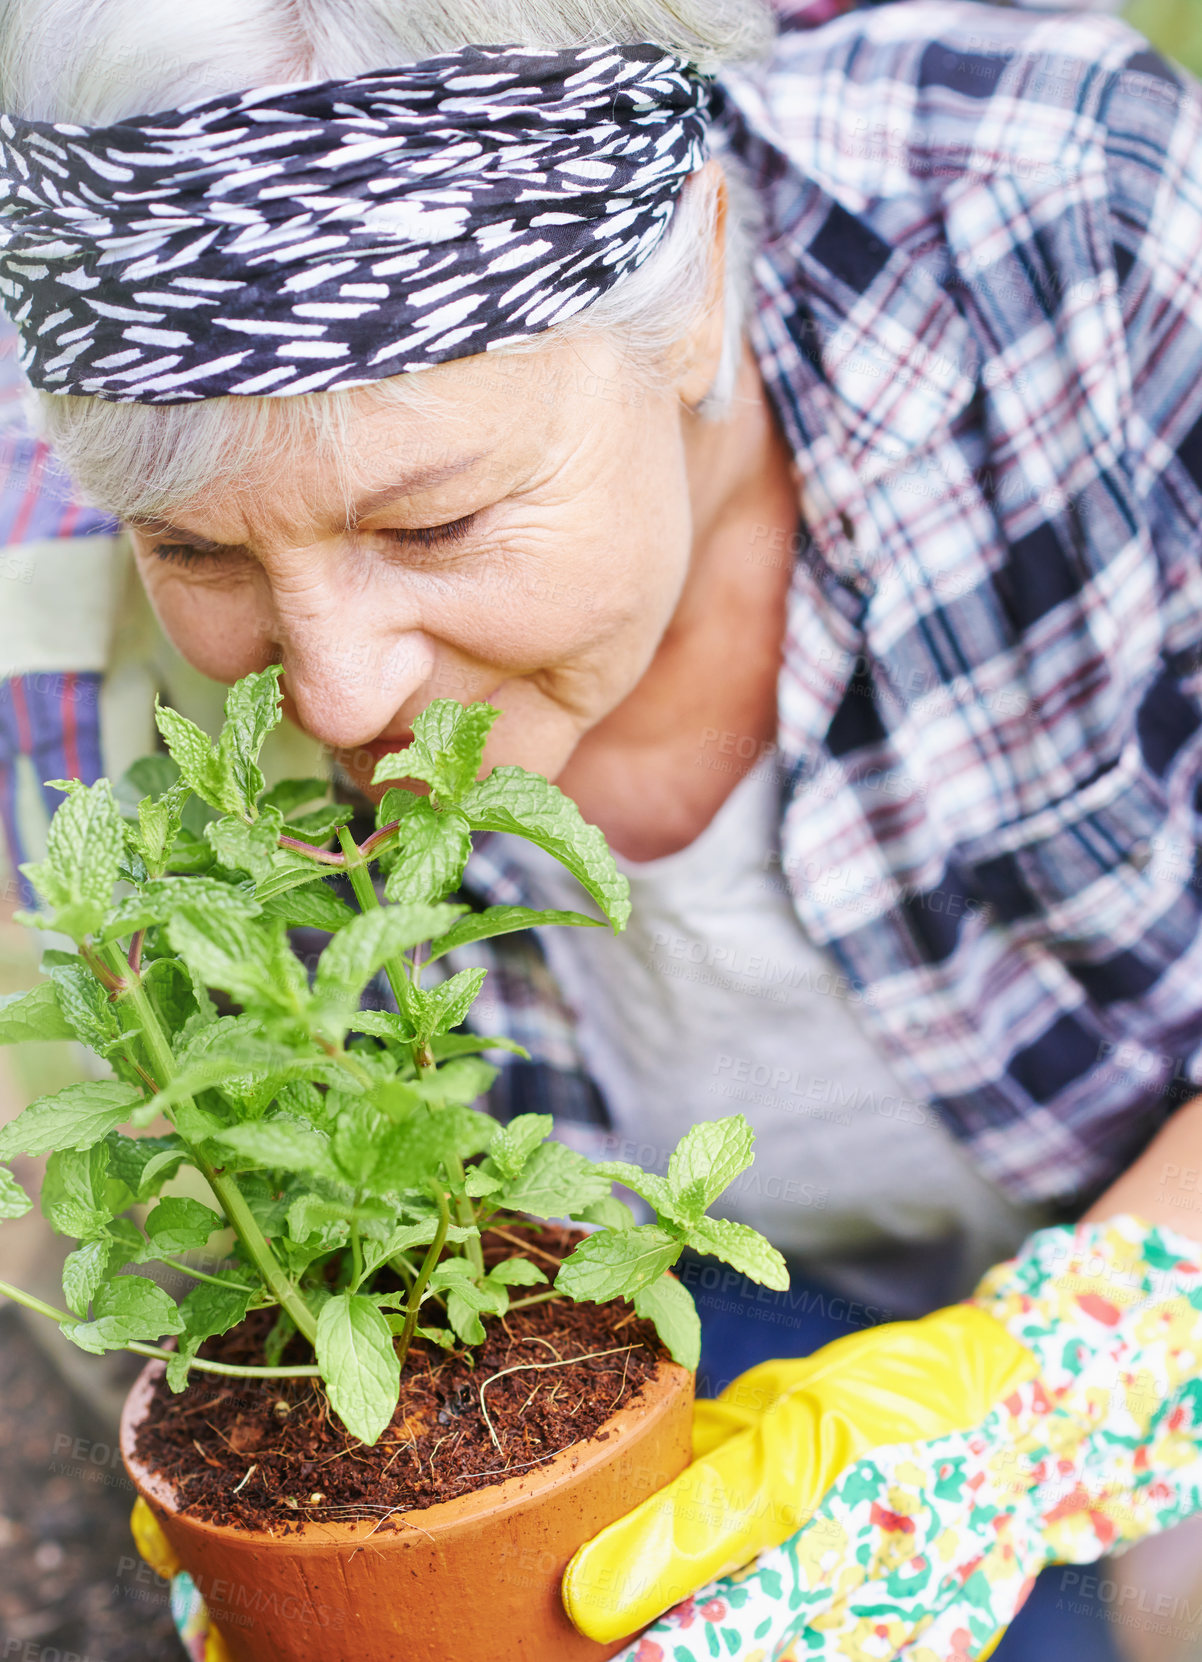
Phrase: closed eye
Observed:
(415, 536)
(429, 536)
(187, 553)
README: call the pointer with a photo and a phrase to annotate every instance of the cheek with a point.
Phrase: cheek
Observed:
(606, 568)
(218, 630)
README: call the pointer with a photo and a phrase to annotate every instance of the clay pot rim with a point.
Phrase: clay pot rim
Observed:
(559, 1471)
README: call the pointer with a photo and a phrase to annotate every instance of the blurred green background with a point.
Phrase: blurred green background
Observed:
(1175, 26)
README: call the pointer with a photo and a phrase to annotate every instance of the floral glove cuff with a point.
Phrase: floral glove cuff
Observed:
(927, 1550)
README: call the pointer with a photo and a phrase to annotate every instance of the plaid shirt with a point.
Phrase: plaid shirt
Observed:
(979, 318)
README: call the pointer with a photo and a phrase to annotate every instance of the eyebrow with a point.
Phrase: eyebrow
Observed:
(370, 503)
(422, 479)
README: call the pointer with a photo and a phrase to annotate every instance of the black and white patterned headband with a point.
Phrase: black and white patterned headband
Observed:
(293, 239)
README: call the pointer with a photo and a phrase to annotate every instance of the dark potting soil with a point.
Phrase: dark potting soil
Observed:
(270, 1454)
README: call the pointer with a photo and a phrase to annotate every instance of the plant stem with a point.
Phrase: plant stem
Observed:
(20, 1296)
(535, 1298)
(202, 1275)
(365, 894)
(323, 856)
(233, 1202)
(465, 1216)
(423, 1275)
(64, 1318)
(236, 1370)
(257, 1247)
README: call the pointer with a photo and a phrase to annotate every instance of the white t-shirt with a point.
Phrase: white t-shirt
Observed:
(714, 1001)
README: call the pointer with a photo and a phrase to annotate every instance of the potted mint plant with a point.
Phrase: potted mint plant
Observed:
(323, 1427)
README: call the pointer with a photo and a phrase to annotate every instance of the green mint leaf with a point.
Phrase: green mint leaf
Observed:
(292, 871)
(79, 1195)
(358, 1141)
(311, 906)
(670, 1306)
(479, 1183)
(291, 794)
(395, 805)
(320, 825)
(194, 753)
(168, 985)
(84, 1273)
(515, 1272)
(85, 1004)
(75, 1117)
(470, 1044)
(144, 1164)
(128, 916)
(706, 1161)
(461, 1081)
(356, 953)
(249, 958)
(252, 709)
(417, 1151)
(611, 1213)
(205, 1312)
(405, 1238)
(14, 1202)
(556, 1183)
(233, 1055)
(382, 1024)
(33, 1015)
(279, 1142)
(162, 897)
(512, 799)
(616, 1263)
(359, 1365)
(742, 1248)
(191, 855)
(516, 1142)
(447, 749)
(502, 920)
(319, 1225)
(180, 1225)
(253, 849)
(130, 1307)
(160, 820)
(433, 850)
(656, 1191)
(436, 1010)
(150, 776)
(84, 847)
(466, 1304)
(436, 1335)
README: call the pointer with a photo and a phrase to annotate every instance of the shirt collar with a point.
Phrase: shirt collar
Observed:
(867, 358)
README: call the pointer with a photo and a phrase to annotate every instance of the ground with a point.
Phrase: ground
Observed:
(71, 1587)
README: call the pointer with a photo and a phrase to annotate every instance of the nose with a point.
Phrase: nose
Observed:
(349, 665)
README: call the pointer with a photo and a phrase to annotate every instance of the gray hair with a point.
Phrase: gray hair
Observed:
(97, 61)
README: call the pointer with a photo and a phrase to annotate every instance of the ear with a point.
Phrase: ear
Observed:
(697, 355)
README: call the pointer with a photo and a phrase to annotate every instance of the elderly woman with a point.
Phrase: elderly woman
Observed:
(800, 441)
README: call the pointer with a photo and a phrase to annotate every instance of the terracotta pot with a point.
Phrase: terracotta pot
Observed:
(469, 1580)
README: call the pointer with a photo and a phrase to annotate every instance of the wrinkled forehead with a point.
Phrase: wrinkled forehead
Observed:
(452, 437)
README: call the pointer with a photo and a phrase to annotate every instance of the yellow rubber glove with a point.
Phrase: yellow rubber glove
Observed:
(896, 1494)
(768, 1449)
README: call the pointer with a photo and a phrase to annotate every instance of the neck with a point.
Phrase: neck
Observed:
(734, 463)
(652, 774)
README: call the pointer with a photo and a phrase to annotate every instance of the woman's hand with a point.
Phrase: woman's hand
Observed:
(920, 1475)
